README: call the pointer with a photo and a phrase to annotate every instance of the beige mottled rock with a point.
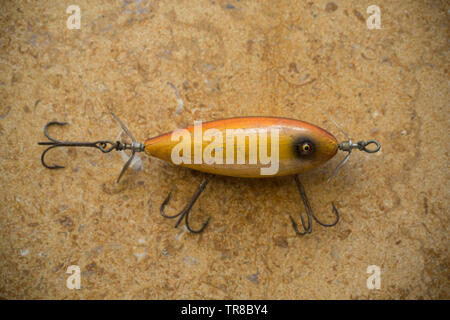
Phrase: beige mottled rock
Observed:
(163, 65)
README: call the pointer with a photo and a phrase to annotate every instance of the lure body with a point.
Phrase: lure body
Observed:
(231, 143)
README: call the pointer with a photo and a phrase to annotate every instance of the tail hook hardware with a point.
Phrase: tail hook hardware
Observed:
(104, 146)
(185, 212)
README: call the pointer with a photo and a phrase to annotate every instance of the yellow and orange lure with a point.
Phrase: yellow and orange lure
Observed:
(299, 146)
(302, 146)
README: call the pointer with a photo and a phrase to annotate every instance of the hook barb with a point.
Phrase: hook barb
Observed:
(185, 212)
(309, 213)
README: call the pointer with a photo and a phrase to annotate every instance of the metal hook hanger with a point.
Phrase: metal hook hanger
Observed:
(348, 146)
(104, 146)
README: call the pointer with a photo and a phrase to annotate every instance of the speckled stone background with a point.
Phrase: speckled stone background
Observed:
(160, 65)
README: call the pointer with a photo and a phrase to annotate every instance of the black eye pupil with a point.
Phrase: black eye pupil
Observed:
(306, 148)
(303, 147)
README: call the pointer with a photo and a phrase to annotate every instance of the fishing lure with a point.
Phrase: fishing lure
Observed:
(237, 147)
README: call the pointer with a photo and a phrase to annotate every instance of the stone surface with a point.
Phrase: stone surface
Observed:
(162, 65)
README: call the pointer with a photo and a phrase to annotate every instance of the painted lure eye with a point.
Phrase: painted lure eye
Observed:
(305, 148)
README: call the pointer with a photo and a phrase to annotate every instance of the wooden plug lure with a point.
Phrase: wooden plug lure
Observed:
(237, 147)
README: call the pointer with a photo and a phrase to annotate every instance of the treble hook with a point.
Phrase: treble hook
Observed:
(104, 146)
(309, 213)
(185, 212)
(187, 209)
